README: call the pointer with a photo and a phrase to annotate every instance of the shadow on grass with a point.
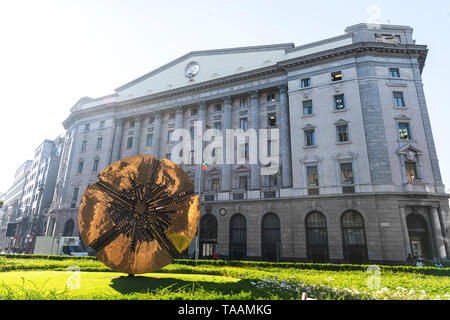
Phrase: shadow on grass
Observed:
(137, 284)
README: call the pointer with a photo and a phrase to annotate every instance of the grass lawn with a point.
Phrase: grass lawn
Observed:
(48, 279)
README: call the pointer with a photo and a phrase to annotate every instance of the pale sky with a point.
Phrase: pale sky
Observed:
(54, 52)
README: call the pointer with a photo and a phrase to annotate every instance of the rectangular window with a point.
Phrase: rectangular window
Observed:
(339, 102)
(86, 127)
(306, 83)
(215, 184)
(243, 103)
(243, 151)
(218, 107)
(218, 126)
(75, 194)
(149, 140)
(243, 125)
(272, 120)
(171, 116)
(130, 142)
(347, 173)
(170, 136)
(336, 76)
(270, 97)
(273, 181)
(80, 167)
(168, 156)
(394, 72)
(411, 171)
(83, 145)
(99, 143)
(194, 111)
(243, 183)
(342, 132)
(399, 102)
(95, 167)
(192, 132)
(192, 157)
(313, 176)
(102, 124)
(132, 123)
(269, 148)
(403, 130)
(307, 108)
(309, 138)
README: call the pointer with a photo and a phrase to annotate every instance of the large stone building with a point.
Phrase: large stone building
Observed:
(358, 178)
(31, 195)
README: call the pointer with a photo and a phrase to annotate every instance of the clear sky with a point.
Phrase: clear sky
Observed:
(54, 52)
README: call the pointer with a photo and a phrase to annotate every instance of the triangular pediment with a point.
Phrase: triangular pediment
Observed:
(241, 168)
(205, 66)
(214, 170)
(407, 149)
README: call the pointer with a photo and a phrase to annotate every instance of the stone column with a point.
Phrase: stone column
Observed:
(202, 118)
(227, 124)
(437, 231)
(285, 140)
(156, 135)
(405, 231)
(115, 154)
(255, 170)
(179, 118)
(137, 135)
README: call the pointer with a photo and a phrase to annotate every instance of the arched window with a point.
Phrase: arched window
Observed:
(271, 237)
(208, 235)
(316, 237)
(354, 237)
(238, 237)
(68, 228)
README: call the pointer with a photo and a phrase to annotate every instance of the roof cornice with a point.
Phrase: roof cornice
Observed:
(360, 47)
(280, 67)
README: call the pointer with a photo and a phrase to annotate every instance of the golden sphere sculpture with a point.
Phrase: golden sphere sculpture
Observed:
(140, 215)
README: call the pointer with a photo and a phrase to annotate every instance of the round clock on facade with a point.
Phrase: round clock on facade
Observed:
(223, 212)
(191, 69)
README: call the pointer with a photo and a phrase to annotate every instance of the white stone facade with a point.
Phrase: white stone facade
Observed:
(365, 173)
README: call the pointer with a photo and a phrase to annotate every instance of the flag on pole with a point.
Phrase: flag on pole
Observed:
(205, 166)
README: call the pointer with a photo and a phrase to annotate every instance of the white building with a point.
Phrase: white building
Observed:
(359, 179)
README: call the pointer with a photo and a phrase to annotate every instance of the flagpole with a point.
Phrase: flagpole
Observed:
(197, 241)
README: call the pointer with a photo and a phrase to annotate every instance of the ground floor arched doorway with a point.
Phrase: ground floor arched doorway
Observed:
(208, 236)
(419, 236)
(271, 238)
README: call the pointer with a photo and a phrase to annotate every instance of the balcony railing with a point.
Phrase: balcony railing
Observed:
(348, 189)
(313, 191)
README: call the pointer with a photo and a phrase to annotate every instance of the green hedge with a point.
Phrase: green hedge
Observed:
(315, 266)
(42, 256)
(255, 264)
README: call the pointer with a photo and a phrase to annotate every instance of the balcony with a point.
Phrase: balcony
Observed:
(348, 189)
(313, 191)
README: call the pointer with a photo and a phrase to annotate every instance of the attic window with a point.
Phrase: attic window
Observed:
(336, 76)
(271, 97)
(272, 120)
